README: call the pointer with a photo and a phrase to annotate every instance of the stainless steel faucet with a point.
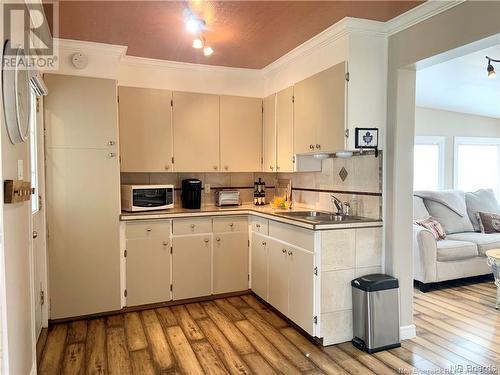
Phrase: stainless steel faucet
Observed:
(338, 203)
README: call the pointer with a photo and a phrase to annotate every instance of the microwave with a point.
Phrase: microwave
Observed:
(147, 197)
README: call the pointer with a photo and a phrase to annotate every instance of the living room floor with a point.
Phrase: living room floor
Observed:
(457, 325)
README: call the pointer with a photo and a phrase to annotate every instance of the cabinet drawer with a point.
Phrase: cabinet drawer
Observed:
(293, 235)
(148, 229)
(230, 224)
(260, 225)
(193, 225)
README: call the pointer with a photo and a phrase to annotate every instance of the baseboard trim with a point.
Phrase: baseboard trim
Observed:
(407, 332)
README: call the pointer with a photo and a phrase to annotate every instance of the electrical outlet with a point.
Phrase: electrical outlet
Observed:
(207, 188)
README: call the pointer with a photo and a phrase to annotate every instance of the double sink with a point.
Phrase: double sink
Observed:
(322, 217)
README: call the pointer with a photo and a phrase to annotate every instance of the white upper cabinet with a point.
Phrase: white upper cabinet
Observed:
(145, 117)
(196, 132)
(240, 134)
(284, 130)
(319, 111)
(77, 112)
(269, 134)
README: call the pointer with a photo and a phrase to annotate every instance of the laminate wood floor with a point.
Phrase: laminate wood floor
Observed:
(457, 326)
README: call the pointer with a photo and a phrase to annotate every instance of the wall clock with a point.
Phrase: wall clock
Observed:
(16, 95)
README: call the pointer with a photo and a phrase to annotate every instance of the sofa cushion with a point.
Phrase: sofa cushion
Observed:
(483, 241)
(482, 200)
(449, 250)
(448, 207)
(419, 210)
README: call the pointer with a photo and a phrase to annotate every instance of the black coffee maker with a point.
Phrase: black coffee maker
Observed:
(191, 193)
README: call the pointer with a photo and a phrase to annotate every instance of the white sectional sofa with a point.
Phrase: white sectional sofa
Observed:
(462, 253)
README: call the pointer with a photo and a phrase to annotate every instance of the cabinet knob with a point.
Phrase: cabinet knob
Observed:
(290, 252)
(277, 168)
(318, 146)
(283, 251)
(167, 167)
(192, 226)
(165, 243)
(206, 240)
(149, 230)
(112, 154)
(264, 243)
(111, 143)
(217, 239)
(311, 147)
(257, 225)
(231, 225)
(226, 167)
(215, 167)
(271, 167)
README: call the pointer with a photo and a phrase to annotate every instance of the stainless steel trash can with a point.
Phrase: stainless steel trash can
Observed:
(375, 307)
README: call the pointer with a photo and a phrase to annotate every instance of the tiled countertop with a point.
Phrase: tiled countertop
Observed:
(266, 211)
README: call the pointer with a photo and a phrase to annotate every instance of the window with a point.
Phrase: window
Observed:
(477, 163)
(428, 163)
(34, 154)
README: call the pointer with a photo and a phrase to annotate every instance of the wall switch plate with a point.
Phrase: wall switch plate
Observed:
(20, 169)
(207, 188)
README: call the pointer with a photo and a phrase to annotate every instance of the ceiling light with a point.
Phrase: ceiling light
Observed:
(193, 25)
(197, 43)
(490, 69)
(207, 51)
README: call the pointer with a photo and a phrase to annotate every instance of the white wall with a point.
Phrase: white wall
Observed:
(435, 122)
(465, 23)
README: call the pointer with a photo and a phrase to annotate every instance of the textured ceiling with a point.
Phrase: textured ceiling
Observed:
(247, 34)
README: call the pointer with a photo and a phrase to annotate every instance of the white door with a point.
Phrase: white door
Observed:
(278, 276)
(39, 254)
(230, 262)
(259, 265)
(301, 274)
(148, 270)
(191, 266)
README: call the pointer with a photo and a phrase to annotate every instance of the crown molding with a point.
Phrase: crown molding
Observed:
(419, 14)
(145, 62)
(92, 47)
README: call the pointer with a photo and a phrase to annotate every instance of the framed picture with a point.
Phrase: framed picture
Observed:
(366, 138)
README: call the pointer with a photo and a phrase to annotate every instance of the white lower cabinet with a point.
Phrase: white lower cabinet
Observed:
(259, 265)
(148, 262)
(191, 266)
(230, 262)
(291, 287)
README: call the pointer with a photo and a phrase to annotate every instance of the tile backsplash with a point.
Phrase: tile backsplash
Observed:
(362, 183)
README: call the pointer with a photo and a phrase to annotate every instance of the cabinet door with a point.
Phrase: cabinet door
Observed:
(269, 134)
(259, 265)
(301, 275)
(240, 134)
(80, 112)
(284, 132)
(145, 117)
(191, 266)
(196, 132)
(230, 262)
(83, 191)
(148, 270)
(305, 116)
(278, 276)
(330, 93)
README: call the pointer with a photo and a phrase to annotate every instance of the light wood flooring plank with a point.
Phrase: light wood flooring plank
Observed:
(114, 320)
(211, 363)
(186, 359)
(77, 331)
(229, 309)
(366, 359)
(196, 311)
(95, 348)
(118, 355)
(74, 359)
(348, 363)
(54, 350)
(136, 338)
(258, 364)
(162, 354)
(269, 315)
(166, 317)
(142, 363)
(187, 323)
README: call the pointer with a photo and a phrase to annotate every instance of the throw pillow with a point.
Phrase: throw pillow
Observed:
(490, 223)
(433, 226)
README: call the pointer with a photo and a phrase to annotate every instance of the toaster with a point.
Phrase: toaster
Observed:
(227, 198)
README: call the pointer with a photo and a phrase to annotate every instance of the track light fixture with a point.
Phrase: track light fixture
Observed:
(490, 69)
(197, 26)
